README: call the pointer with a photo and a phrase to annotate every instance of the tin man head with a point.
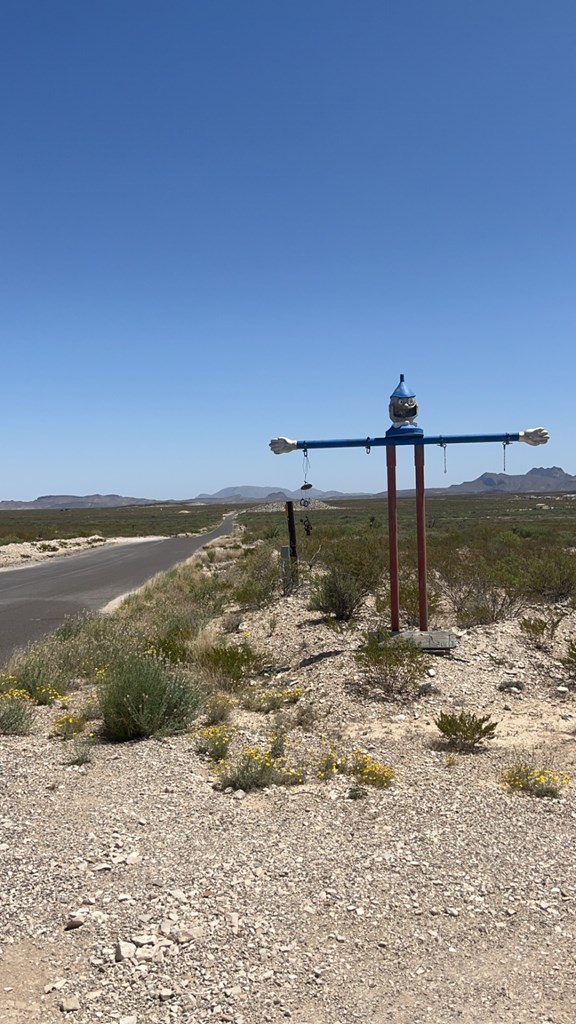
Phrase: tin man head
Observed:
(403, 408)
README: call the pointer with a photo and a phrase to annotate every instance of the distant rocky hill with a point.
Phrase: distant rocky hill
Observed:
(244, 493)
(535, 481)
(56, 501)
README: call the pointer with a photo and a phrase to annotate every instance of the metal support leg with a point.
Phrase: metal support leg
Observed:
(393, 540)
(421, 535)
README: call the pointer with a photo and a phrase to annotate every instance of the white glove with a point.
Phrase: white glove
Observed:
(536, 435)
(282, 445)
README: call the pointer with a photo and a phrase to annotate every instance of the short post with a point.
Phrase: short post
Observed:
(292, 539)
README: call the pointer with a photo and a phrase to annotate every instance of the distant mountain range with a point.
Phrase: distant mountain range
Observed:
(535, 481)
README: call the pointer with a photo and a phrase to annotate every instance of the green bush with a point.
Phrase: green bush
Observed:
(552, 576)
(465, 731)
(354, 567)
(16, 717)
(485, 581)
(540, 631)
(142, 697)
(228, 665)
(392, 665)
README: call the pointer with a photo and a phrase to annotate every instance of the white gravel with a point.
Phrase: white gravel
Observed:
(133, 891)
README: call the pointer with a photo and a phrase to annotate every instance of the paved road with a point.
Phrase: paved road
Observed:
(36, 599)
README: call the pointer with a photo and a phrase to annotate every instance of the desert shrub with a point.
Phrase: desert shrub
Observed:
(370, 772)
(228, 665)
(465, 730)
(353, 568)
(278, 740)
(552, 576)
(256, 578)
(16, 717)
(485, 582)
(172, 644)
(218, 708)
(331, 763)
(141, 697)
(358, 764)
(213, 740)
(540, 631)
(410, 600)
(68, 726)
(79, 650)
(257, 769)
(270, 700)
(524, 777)
(80, 751)
(392, 665)
(569, 659)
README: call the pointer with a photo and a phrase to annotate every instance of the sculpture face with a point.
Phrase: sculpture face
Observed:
(403, 408)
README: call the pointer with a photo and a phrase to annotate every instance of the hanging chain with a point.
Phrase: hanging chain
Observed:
(504, 447)
(304, 502)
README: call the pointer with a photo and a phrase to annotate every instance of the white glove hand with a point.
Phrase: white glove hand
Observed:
(536, 435)
(282, 445)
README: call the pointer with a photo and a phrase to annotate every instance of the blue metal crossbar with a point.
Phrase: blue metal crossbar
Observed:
(415, 437)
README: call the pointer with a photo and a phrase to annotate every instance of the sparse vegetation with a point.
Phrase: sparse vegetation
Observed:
(353, 567)
(465, 730)
(391, 665)
(214, 740)
(226, 665)
(540, 630)
(16, 716)
(270, 700)
(257, 768)
(525, 777)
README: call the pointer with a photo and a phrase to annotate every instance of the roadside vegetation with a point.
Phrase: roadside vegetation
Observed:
(161, 520)
(179, 657)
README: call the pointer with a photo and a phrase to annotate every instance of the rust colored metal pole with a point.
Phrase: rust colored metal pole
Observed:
(393, 540)
(421, 535)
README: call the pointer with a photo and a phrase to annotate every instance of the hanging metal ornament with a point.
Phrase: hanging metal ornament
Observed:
(305, 486)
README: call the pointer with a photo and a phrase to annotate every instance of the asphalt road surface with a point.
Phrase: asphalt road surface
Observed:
(36, 599)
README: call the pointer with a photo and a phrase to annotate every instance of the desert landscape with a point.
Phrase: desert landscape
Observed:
(136, 887)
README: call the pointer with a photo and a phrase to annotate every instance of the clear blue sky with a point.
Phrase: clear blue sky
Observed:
(224, 220)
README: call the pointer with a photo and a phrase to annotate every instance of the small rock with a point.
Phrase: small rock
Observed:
(124, 951)
(70, 1004)
(239, 794)
(76, 920)
(143, 940)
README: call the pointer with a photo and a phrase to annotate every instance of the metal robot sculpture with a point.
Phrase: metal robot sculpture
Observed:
(403, 410)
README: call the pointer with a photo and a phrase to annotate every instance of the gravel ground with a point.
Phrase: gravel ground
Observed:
(133, 891)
